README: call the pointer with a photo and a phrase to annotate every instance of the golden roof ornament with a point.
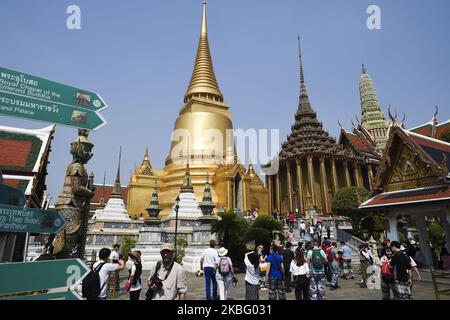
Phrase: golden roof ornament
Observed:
(203, 81)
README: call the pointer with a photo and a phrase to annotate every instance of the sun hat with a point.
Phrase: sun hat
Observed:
(166, 246)
(223, 252)
(134, 254)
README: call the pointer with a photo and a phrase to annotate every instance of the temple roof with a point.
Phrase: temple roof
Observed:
(307, 134)
(438, 150)
(145, 168)
(203, 81)
(409, 197)
(23, 155)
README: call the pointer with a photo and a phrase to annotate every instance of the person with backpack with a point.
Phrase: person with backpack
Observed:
(223, 268)
(275, 274)
(134, 280)
(95, 284)
(333, 263)
(299, 270)
(317, 259)
(387, 275)
(288, 256)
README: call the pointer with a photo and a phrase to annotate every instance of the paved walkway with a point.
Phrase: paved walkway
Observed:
(350, 289)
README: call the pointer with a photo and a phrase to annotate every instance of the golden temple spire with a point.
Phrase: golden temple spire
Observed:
(203, 81)
(304, 105)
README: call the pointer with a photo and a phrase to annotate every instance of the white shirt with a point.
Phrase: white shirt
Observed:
(209, 257)
(252, 274)
(138, 283)
(104, 274)
(114, 255)
(299, 271)
(302, 226)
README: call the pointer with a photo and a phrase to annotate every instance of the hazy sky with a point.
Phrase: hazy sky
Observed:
(139, 55)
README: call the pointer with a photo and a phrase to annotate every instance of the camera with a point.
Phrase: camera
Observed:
(155, 280)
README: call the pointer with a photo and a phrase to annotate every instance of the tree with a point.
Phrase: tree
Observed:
(126, 246)
(231, 228)
(346, 203)
(261, 231)
(445, 136)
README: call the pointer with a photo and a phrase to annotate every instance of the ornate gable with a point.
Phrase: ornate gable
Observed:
(405, 165)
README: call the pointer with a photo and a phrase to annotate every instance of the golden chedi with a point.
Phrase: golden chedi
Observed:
(203, 133)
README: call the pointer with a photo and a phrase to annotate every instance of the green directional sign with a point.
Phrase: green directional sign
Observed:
(65, 295)
(26, 96)
(19, 219)
(11, 196)
(40, 275)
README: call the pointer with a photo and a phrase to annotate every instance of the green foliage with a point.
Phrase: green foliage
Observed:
(445, 136)
(232, 229)
(436, 234)
(126, 246)
(261, 231)
(346, 203)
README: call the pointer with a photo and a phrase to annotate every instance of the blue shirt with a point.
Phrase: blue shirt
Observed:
(346, 252)
(275, 261)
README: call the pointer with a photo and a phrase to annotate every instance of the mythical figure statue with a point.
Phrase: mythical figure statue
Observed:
(73, 202)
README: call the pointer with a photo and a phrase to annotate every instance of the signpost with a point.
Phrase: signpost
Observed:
(19, 219)
(26, 96)
(11, 196)
(22, 277)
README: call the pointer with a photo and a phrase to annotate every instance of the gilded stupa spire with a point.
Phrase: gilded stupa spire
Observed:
(203, 81)
(372, 118)
(304, 105)
(117, 189)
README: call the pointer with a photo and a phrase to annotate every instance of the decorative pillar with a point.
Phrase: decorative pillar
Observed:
(291, 198)
(393, 231)
(423, 239)
(230, 196)
(324, 184)
(358, 174)
(371, 178)
(269, 184)
(300, 183)
(311, 180)
(278, 191)
(347, 174)
(334, 176)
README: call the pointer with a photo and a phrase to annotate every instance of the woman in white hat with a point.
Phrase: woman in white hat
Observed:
(224, 271)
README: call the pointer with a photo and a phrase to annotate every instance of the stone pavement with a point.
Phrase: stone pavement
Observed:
(350, 289)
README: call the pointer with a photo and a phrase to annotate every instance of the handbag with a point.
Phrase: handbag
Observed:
(127, 286)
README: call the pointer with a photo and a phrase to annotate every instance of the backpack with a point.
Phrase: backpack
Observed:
(317, 259)
(386, 272)
(91, 288)
(330, 255)
(224, 267)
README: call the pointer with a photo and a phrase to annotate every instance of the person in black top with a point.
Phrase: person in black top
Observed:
(401, 264)
(134, 280)
(288, 256)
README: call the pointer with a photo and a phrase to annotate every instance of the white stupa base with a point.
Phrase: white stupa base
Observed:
(115, 210)
(188, 206)
(192, 257)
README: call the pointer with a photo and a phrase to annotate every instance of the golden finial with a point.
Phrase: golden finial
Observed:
(403, 121)
(203, 81)
(393, 119)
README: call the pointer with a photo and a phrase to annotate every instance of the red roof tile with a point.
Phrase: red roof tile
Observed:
(14, 153)
(12, 183)
(108, 189)
(408, 196)
(357, 142)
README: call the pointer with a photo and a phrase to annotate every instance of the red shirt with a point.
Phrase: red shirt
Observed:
(292, 217)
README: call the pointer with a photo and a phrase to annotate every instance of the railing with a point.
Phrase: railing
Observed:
(439, 275)
(355, 242)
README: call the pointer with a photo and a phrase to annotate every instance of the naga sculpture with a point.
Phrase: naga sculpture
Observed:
(73, 203)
